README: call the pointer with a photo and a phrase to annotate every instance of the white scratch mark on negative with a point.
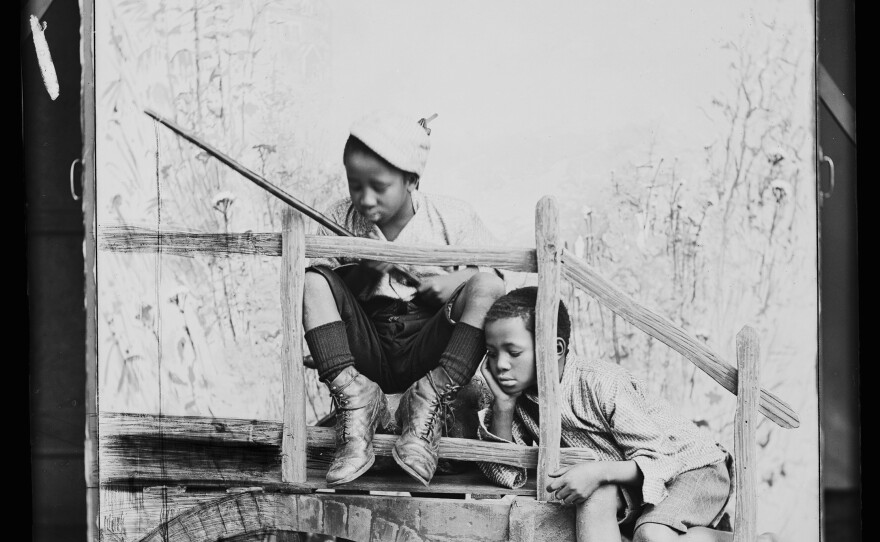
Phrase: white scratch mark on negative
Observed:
(44, 58)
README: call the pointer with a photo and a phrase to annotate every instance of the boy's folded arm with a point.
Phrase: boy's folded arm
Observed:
(622, 472)
(498, 473)
(639, 436)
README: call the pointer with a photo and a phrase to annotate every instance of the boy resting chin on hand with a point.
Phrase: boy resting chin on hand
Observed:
(656, 470)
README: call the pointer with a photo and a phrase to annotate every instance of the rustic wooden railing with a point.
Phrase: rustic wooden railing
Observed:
(549, 260)
(574, 269)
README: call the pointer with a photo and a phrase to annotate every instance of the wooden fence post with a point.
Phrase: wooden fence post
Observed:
(549, 252)
(293, 262)
(744, 451)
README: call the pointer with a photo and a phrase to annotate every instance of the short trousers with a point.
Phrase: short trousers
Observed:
(696, 498)
(394, 342)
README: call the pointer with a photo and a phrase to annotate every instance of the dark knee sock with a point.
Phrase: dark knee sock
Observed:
(463, 353)
(328, 344)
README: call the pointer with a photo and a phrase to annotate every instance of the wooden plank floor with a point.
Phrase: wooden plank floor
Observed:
(246, 453)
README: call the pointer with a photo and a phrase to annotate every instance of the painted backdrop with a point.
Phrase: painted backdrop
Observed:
(678, 139)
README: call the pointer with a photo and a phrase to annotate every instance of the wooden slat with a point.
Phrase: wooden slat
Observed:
(223, 453)
(89, 203)
(230, 433)
(293, 445)
(581, 274)
(744, 447)
(393, 479)
(137, 239)
(158, 461)
(549, 252)
(514, 259)
(191, 428)
(837, 103)
(460, 449)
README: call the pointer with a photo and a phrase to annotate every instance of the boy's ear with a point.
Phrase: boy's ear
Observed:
(560, 346)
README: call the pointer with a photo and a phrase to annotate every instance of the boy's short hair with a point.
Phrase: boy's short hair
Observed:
(520, 303)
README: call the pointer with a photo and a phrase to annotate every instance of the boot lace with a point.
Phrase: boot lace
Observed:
(342, 415)
(340, 400)
(440, 406)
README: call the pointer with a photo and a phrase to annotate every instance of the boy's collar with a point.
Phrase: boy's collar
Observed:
(532, 393)
(417, 198)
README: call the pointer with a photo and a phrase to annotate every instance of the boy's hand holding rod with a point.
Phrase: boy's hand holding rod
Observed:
(406, 278)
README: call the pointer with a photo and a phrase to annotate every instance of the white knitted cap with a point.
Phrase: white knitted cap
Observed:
(400, 140)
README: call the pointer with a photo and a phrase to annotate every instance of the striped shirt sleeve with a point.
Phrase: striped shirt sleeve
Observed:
(639, 436)
(498, 473)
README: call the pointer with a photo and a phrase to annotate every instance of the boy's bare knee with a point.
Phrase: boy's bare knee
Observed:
(487, 285)
(606, 498)
(603, 503)
(315, 284)
(654, 532)
(319, 304)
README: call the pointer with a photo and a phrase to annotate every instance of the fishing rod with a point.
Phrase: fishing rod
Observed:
(300, 206)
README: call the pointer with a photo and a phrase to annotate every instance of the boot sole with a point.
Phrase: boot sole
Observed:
(408, 469)
(356, 474)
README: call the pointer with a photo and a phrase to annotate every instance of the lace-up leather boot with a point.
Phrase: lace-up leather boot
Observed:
(422, 416)
(360, 407)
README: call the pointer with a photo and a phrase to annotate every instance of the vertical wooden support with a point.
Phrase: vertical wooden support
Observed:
(293, 262)
(549, 253)
(90, 247)
(744, 439)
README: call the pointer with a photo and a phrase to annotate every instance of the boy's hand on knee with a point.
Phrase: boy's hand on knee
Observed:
(576, 483)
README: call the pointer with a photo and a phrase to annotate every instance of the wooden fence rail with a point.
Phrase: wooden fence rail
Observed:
(579, 272)
(134, 239)
(575, 270)
(120, 429)
(549, 253)
(744, 446)
(293, 268)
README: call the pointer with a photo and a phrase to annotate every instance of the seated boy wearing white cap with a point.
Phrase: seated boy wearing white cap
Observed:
(425, 339)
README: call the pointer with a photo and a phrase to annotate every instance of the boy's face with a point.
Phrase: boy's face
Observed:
(511, 354)
(379, 192)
